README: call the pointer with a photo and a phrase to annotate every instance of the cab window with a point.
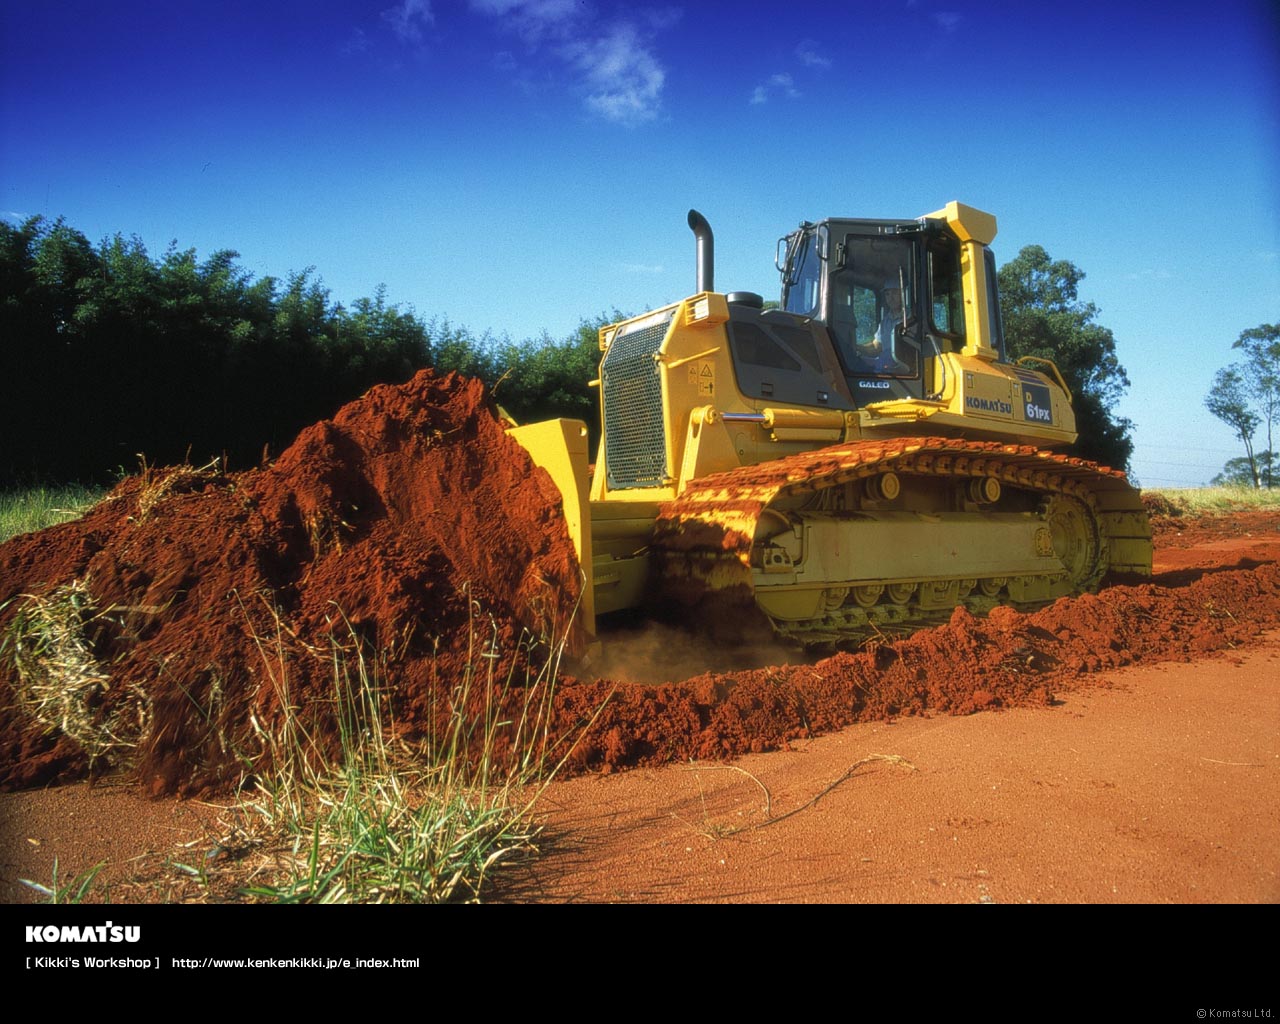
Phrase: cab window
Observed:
(946, 295)
(872, 307)
(803, 291)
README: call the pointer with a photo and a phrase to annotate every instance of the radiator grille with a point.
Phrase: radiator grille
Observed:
(635, 444)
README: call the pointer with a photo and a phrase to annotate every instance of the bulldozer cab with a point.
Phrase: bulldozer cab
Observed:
(890, 295)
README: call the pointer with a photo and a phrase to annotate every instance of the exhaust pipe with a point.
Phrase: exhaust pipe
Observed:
(704, 251)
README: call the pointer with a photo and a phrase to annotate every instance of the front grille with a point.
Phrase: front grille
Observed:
(635, 449)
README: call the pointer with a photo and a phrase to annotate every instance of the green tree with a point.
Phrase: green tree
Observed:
(1239, 472)
(1043, 316)
(1228, 400)
(1261, 370)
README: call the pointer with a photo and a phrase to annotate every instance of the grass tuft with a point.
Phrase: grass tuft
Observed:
(394, 823)
(68, 891)
(157, 484)
(61, 684)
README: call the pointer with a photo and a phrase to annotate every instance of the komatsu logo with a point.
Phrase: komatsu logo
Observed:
(988, 405)
(85, 933)
(1037, 406)
(879, 385)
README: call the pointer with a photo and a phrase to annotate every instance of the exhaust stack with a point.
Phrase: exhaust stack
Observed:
(704, 252)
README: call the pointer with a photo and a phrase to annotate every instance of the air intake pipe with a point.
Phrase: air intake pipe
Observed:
(705, 251)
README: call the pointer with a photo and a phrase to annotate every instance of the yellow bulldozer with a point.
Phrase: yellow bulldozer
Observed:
(860, 458)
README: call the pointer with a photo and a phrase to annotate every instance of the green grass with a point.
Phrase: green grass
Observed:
(66, 891)
(1200, 501)
(34, 508)
(383, 822)
(393, 824)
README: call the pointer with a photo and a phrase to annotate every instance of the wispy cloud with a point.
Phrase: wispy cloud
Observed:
(948, 21)
(808, 54)
(504, 61)
(780, 84)
(623, 77)
(659, 18)
(641, 268)
(408, 18)
(357, 43)
(533, 20)
(1150, 274)
(614, 61)
(783, 84)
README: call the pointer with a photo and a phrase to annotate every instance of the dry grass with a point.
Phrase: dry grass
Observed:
(60, 682)
(1201, 501)
(716, 831)
(158, 484)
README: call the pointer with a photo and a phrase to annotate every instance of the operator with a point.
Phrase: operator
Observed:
(885, 356)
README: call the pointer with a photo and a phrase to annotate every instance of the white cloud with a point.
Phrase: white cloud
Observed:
(624, 78)
(619, 73)
(641, 268)
(948, 21)
(808, 55)
(408, 18)
(780, 84)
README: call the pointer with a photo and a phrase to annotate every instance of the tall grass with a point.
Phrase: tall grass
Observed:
(34, 508)
(389, 822)
(1199, 501)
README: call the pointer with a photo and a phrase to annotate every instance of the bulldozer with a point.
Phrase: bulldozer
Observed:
(859, 457)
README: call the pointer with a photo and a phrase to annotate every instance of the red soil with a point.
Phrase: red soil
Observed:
(386, 529)
(409, 524)
(1004, 660)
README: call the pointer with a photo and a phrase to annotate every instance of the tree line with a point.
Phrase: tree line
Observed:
(108, 354)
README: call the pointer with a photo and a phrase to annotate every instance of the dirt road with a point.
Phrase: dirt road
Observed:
(1161, 784)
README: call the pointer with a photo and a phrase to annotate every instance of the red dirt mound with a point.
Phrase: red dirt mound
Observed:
(409, 524)
(969, 664)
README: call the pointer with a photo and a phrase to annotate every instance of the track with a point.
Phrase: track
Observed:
(855, 538)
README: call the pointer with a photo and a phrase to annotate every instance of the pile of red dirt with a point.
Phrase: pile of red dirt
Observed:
(409, 528)
(969, 664)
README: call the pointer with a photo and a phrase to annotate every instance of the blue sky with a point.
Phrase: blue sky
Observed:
(517, 165)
